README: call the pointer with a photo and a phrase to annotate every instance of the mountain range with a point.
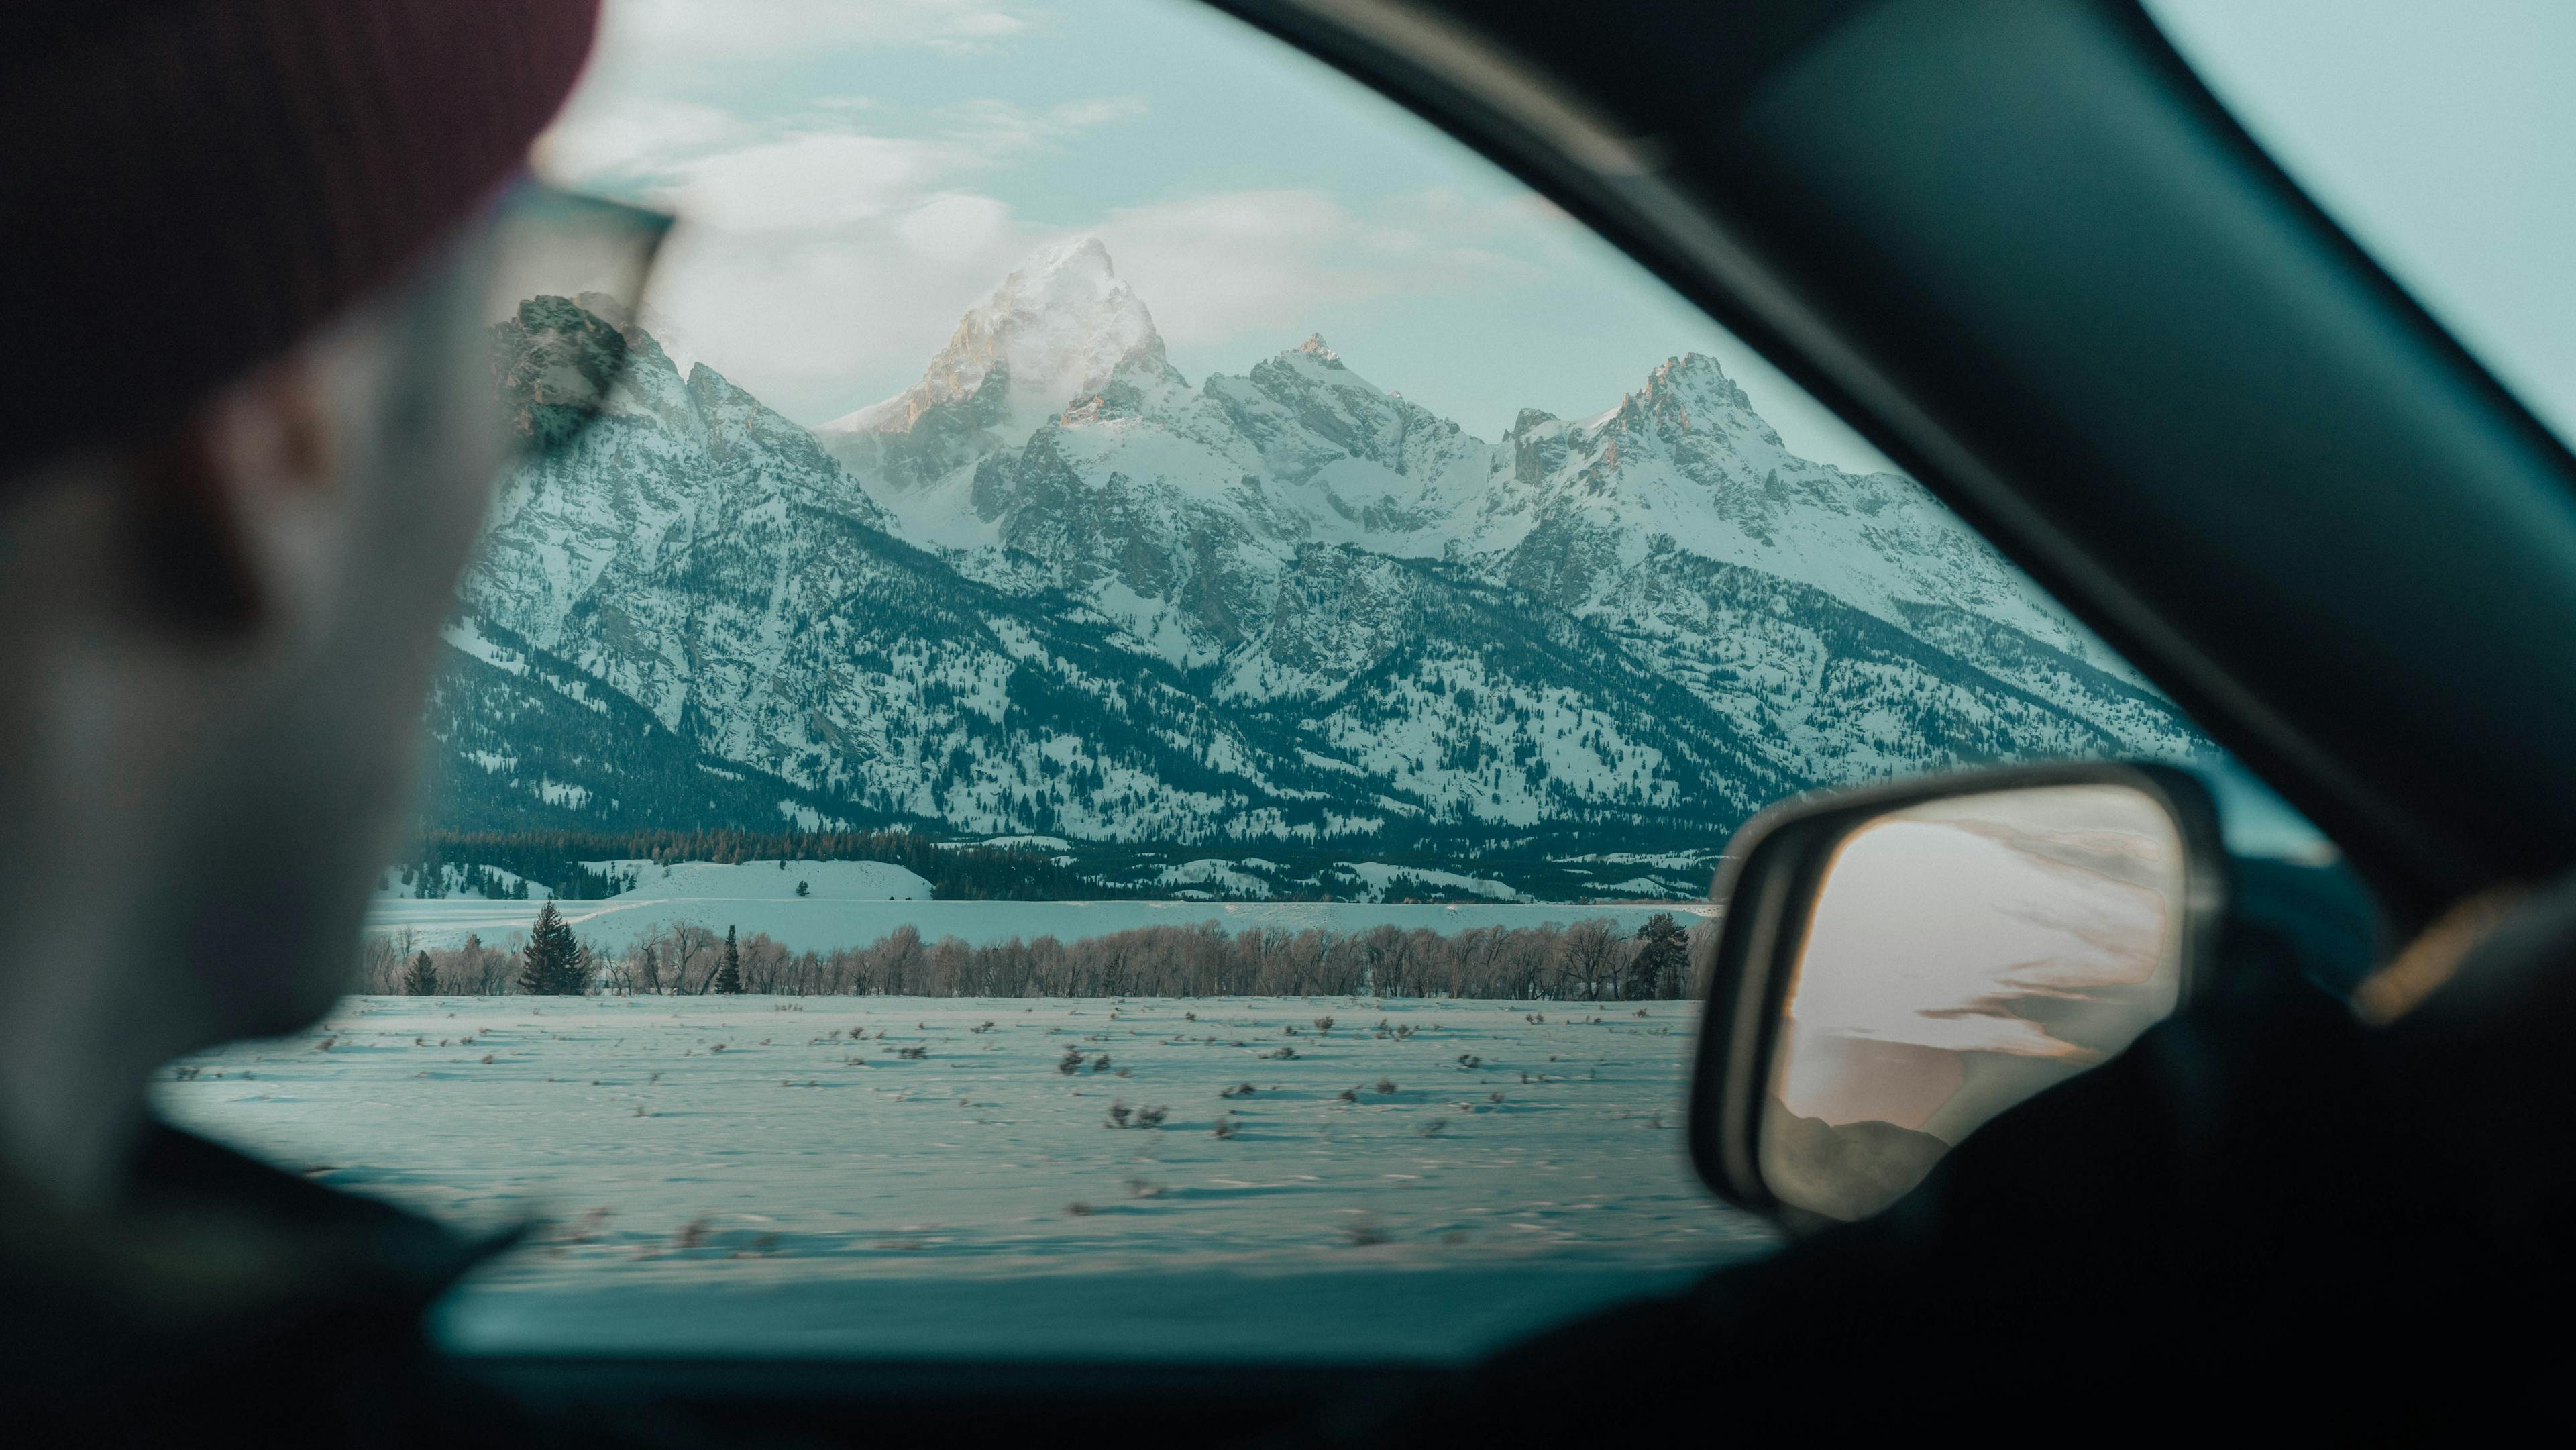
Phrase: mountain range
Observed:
(1265, 633)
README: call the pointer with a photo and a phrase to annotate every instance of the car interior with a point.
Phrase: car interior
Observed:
(2026, 253)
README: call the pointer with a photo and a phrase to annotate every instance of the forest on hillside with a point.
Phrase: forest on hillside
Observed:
(565, 861)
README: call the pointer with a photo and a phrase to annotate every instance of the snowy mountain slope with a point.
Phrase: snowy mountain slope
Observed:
(671, 459)
(1178, 507)
(1056, 588)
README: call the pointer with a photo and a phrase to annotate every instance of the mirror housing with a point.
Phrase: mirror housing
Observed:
(2078, 861)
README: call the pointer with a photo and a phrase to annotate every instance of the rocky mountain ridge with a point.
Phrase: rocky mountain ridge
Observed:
(1056, 588)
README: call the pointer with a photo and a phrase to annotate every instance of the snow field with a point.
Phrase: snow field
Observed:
(908, 1176)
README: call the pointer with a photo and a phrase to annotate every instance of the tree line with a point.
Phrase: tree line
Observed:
(1587, 960)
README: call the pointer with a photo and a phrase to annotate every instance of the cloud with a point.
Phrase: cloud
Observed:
(818, 322)
(815, 180)
(1217, 266)
(824, 167)
(634, 136)
(766, 29)
(822, 270)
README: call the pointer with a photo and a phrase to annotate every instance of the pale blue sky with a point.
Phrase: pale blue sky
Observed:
(860, 171)
(2443, 137)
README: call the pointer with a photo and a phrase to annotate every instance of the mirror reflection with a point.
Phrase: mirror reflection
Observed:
(1963, 955)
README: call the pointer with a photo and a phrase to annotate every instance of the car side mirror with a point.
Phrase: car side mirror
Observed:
(1895, 965)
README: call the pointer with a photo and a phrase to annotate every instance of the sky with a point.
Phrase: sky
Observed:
(853, 174)
(2443, 137)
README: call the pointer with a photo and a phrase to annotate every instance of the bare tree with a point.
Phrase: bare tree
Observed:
(1590, 958)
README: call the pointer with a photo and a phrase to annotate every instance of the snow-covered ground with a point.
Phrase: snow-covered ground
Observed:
(818, 923)
(1423, 1179)
(767, 881)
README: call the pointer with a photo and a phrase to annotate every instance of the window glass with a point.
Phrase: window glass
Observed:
(2440, 137)
(1115, 744)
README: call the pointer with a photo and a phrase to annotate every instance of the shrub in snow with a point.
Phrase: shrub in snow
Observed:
(1151, 1117)
(1118, 1114)
(1323, 1024)
(1226, 1127)
(1071, 1062)
(1385, 1085)
(729, 975)
(1100, 1064)
(553, 963)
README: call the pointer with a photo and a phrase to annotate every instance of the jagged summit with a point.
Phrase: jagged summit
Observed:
(1061, 325)
(658, 329)
(1315, 347)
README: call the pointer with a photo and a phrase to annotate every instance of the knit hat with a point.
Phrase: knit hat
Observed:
(189, 186)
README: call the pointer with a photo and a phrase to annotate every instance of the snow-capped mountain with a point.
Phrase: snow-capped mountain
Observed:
(1054, 587)
(1062, 325)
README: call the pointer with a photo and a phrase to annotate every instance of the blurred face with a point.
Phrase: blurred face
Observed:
(304, 788)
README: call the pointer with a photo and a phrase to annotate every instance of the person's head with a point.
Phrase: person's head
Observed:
(249, 259)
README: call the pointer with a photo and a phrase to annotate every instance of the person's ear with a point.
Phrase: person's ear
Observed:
(227, 516)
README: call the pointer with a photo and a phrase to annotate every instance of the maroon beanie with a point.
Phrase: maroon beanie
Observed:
(189, 186)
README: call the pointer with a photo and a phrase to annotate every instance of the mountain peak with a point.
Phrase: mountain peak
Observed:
(1687, 392)
(1690, 369)
(1061, 325)
(1085, 254)
(1315, 347)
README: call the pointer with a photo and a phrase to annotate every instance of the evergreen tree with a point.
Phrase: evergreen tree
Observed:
(546, 965)
(729, 976)
(1663, 961)
(422, 979)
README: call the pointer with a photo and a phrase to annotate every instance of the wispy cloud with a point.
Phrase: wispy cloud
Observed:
(834, 162)
(766, 29)
(1220, 265)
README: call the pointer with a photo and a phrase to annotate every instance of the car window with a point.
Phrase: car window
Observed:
(2439, 136)
(1116, 743)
